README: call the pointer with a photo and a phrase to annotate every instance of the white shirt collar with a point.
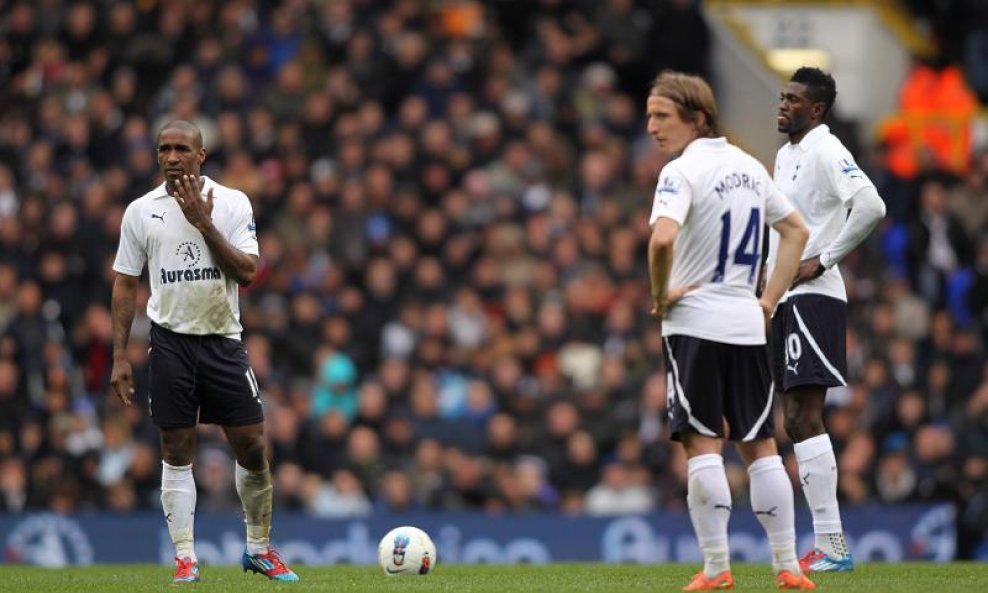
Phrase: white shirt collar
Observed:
(812, 138)
(701, 143)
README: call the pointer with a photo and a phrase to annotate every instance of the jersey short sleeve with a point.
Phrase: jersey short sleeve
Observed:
(131, 253)
(842, 173)
(243, 234)
(673, 196)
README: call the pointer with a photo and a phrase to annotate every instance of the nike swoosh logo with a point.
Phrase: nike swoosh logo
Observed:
(389, 571)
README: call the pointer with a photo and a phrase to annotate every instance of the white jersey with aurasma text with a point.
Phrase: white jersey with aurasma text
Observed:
(190, 294)
(721, 197)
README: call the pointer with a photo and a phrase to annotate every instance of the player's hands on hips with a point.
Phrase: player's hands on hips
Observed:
(659, 306)
(809, 269)
(122, 380)
(673, 295)
(197, 211)
(768, 310)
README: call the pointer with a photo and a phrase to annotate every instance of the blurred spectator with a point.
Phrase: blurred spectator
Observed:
(323, 443)
(288, 481)
(469, 486)
(580, 467)
(966, 199)
(895, 480)
(939, 245)
(342, 497)
(335, 390)
(977, 295)
(396, 494)
(117, 451)
(13, 486)
(539, 493)
(215, 481)
(617, 494)
(681, 38)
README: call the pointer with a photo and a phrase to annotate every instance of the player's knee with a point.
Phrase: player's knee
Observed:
(250, 453)
(177, 451)
(792, 427)
(802, 424)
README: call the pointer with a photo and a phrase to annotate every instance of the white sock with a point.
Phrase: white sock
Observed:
(818, 475)
(772, 502)
(178, 501)
(255, 490)
(709, 500)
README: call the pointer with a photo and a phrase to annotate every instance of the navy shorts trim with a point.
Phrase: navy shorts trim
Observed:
(711, 383)
(809, 342)
(200, 379)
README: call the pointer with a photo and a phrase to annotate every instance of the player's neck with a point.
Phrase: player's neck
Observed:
(797, 137)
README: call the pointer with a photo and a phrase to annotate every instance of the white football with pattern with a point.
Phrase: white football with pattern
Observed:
(406, 550)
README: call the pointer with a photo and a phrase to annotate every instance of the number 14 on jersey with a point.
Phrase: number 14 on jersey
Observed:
(746, 253)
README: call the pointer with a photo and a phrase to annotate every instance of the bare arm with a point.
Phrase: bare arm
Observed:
(660, 248)
(235, 263)
(793, 235)
(122, 313)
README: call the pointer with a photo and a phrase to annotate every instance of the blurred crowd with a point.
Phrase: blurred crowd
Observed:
(451, 306)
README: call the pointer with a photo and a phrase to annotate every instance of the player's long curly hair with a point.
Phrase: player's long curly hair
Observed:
(692, 96)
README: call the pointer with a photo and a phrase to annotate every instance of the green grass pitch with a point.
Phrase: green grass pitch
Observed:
(555, 578)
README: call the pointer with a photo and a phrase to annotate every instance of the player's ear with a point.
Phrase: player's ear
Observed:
(701, 123)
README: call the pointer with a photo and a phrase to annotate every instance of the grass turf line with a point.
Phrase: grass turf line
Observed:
(558, 578)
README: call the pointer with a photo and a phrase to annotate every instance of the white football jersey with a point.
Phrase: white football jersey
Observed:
(190, 294)
(820, 176)
(722, 198)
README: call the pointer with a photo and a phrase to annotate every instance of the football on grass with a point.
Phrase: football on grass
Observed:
(406, 551)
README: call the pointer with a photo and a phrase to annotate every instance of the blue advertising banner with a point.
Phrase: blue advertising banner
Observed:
(876, 534)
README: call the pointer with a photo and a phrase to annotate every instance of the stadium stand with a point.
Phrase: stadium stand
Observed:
(451, 306)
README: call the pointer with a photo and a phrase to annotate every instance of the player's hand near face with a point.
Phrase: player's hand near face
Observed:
(809, 269)
(196, 210)
(122, 380)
